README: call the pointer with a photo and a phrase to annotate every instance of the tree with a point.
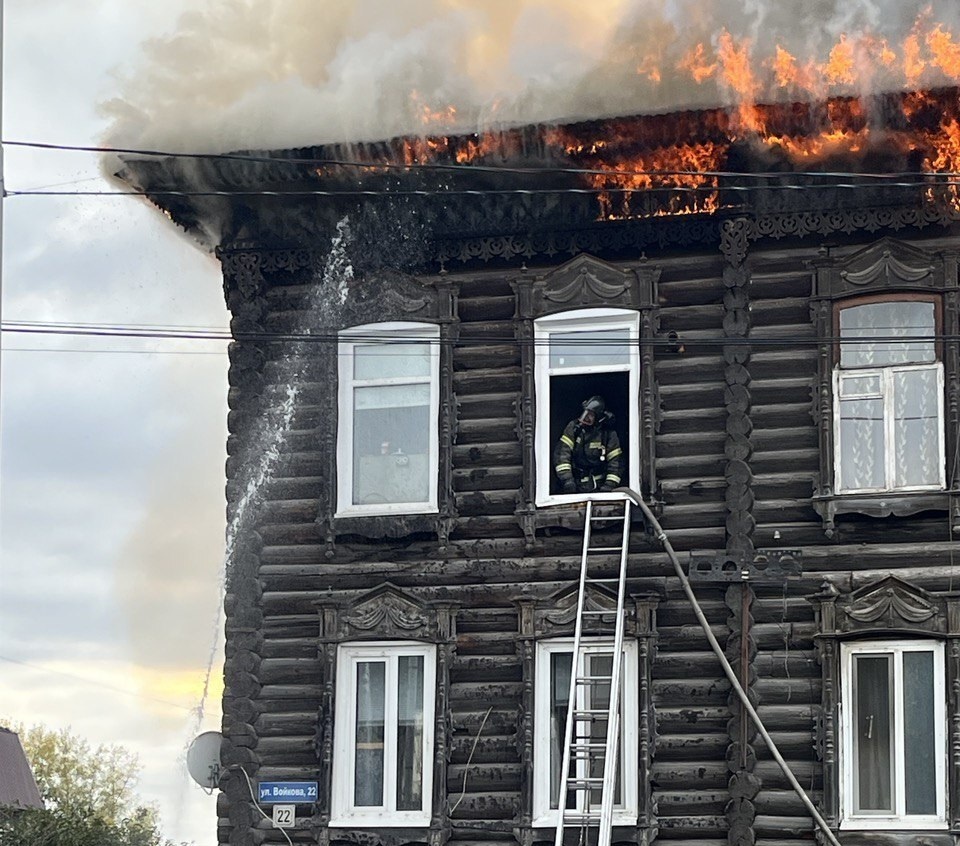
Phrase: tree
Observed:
(88, 793)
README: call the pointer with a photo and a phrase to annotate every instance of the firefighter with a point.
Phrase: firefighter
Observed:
(588, 457)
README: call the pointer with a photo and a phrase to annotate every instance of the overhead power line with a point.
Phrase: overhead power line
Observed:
(790, 340)
(371, 164)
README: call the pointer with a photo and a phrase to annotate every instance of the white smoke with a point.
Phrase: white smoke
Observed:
(262, 74)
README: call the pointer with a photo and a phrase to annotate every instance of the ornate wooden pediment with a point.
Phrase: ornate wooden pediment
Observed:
(887, 265)
(888, 605)
(555, 616)
(379, 298)
(386, 613)
(586, 282)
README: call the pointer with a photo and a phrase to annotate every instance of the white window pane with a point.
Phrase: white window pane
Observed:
(861, 444)
(897, 321)
(919, 735)
(594, 348)
(860, 386)
(409, 732)
(390, 396)
(386, 361)
(369, 741)
(917, 427)
(391, 444)
(872, 734)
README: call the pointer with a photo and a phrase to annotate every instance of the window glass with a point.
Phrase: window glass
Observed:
(409, 732)
(894, 321)
(919, 737)
(917, 424)
(389, 361)
(862, 464)
(369, 745)
(391, 444)
(591, 348)
(872, 727)
(560, 664)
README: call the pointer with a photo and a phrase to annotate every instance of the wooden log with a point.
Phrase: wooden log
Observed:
(487, 454)
(487, 308)
(691, 747)
(690, 775)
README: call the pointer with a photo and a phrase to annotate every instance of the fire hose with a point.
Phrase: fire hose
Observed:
(727, 669)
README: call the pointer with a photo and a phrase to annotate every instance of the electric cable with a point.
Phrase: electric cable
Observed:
(458, 166)
(727, 668)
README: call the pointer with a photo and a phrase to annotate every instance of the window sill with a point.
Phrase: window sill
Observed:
(884, 504)
(382, 820)
(620, 820)
(376, 526)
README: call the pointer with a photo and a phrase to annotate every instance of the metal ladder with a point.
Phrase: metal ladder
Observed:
(588, 765)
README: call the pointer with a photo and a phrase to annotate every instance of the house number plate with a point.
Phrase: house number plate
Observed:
(284, 816)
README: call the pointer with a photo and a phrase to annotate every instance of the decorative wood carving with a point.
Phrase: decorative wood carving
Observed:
(555, 617)
(736, 353)
(584, 281)
(889, 607)
(888, 266)
(386, 613)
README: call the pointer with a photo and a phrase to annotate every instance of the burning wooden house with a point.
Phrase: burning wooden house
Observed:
(768, 301)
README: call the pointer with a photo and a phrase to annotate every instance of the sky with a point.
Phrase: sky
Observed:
(111, 496)
(112, 454)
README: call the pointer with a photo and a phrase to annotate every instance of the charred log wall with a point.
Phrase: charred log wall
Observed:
(278, 695)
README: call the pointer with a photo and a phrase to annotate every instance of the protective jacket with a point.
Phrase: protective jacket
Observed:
(588, 459)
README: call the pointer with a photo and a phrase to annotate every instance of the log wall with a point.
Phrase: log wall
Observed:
(720, 415)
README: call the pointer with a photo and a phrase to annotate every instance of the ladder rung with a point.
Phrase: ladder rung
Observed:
(583, 819)
(607, 519)
(591, 713)
(609, 613)
(604, 549)
(585, 782)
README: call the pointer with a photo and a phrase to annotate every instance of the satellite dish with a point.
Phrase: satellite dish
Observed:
(203, 759)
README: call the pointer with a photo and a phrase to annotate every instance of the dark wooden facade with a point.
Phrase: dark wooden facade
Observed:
(736, 442)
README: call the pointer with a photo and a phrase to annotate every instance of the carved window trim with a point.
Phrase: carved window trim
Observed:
(390, 616)
(582, 321)
(582, 283)
(349, 340)
(552, 620)
(888, 270)
(888, 610)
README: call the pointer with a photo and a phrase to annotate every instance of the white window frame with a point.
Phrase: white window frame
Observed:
(624, 814)
(343, 812)
(394, 332)
(582, 320)
(899, 820)
(887, 376)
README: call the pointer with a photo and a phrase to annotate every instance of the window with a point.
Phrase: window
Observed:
(894, 741)
(387, 444)
(888, 397)
(383, 734)
(580, 354)
(553, 667)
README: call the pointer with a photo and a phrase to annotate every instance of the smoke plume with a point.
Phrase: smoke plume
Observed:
(263, 74)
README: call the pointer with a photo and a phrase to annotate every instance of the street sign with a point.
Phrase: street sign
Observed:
(284, 816)
(286, 791)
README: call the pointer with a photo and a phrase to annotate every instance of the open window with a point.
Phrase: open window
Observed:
(888, 395)
(894, 735)
(387, 437)
(553, 668)
(383, 749)
(580, 354)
